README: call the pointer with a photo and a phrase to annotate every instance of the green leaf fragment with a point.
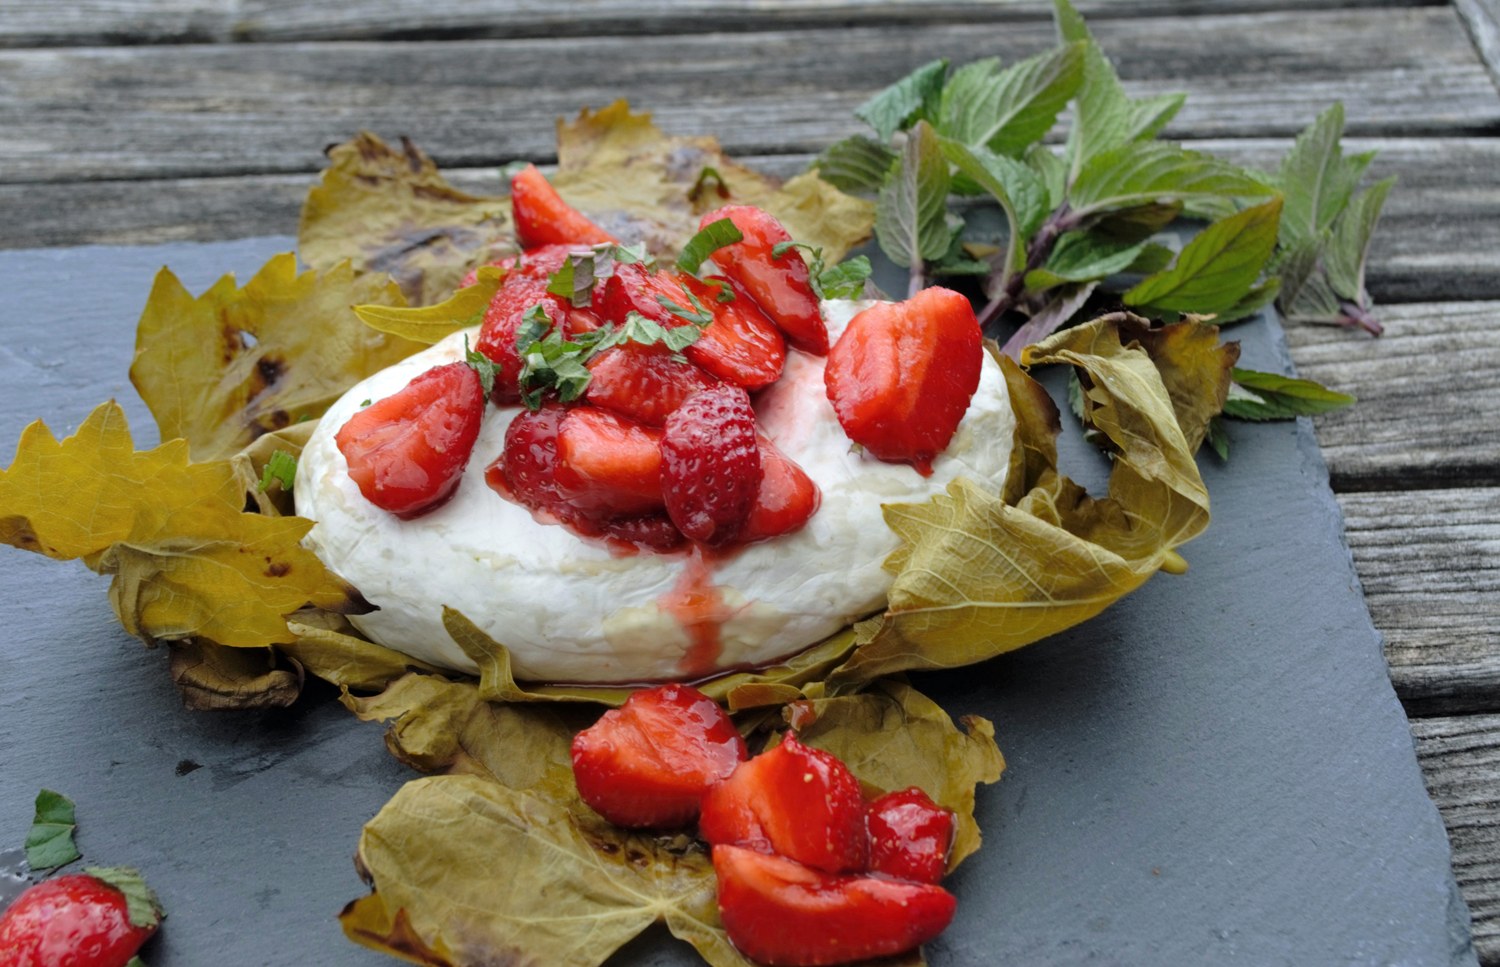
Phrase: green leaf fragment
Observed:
(911, 213)
(708, 240)
(913, 97)
(856, 164)
(1083, 257)
(845, 280)
(1017, 188)
(1317, 178)
(1137, 175)
(1215, 270)
(482, 365)
(1218, 438)
(1271, 396)
(282, 468)
(49, 842)
(1349, 246)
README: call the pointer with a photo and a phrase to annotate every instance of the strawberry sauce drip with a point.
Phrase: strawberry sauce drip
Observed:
(698, 605)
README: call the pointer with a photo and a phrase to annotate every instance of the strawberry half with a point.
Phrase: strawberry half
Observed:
(407, 452)
(710, 469)
(786, 500)
(607, 465)
(901, 376)
(526, 470)
(779, 912)
(644, 383)
(647, 763)
(741, 345)
(800, 802)
(910, 836)
(543, 218)
(780, 285)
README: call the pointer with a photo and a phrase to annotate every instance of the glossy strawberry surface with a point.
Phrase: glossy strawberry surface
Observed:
(782, 913)
(543, 218)
(710, 467)
(910, 836)
(526, 470)
(647, 763)
(786, 500)
(778, 284)
(608, 465)
(644, 383)
(407, 452)
(901, 376)
(741, 345)
(70, 921)
(799, 802)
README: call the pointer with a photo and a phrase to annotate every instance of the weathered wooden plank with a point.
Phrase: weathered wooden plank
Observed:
(39, 23)
(1429, 562)
(1426, 413)
(95, 113)
(1482, 17)
(1460, 760)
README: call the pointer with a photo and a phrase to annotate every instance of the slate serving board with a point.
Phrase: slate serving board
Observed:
(1214, 771)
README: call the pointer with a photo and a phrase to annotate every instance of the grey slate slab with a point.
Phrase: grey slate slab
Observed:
(1214, 771)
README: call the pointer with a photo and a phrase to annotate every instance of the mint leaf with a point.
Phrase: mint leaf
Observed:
(649, 332)
(1317, 179)
(1270, 396)
(695, 313)
(1009, 110)
(1262, 294)
(49, 842)
(845, 280)
(483, 365)
(1136, 175)
(1350, 245)
(1015, 186)
(911, 212)
(709, 180)
(1306, 294)
(282, 468)
(908, 100)
(1215, 270)
(708, 240)
(857, 164)
(1218, 437)
(1083, 257)
(1153, 257)
(141, 904)
(1052, 170)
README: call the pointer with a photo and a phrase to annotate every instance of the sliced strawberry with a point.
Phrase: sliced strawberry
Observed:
(543, 218)
(647, 763)
(497, 335)
(648, 532)
(779, 912)
(910, 836)
(787, 498)
(607, 465)
(407, 452)
(634, 288)
(526, 469)
(780, 285)
(711, 464)
(901, 376)
(644, 383)
(802, 802)
(741, 345)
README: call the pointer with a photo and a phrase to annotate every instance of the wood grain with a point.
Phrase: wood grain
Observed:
(1425, 416)
(39, 23)
(1460, 759)
(1429, 562)
(1482, 18)
(214, 110)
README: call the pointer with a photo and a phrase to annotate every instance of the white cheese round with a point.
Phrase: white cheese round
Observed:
(567, 608)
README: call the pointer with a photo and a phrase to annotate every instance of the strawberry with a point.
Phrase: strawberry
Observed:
(710, 464)
(644, 383)
(79, 920)
(741, 345)
(779, 912)
(800, 802)
(901, 376)
(608, 465)
(543, 218)
(780, 285)
(786, 500)
(407, 452)
(635, 288)
(526, 469)
(497, 334)
(647, 763)
(650, 532)
(910, 836)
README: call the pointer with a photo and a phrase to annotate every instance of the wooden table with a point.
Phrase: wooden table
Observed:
(131, 121)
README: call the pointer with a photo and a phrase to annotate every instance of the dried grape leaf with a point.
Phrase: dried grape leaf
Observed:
(213, 676)
(233, 364)
(329, 647)
(635, 181)
(389, 211)
(979, 574)
(187, 561)
(575, 888)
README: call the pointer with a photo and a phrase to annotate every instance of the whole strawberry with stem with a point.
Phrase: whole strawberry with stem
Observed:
(98, 918)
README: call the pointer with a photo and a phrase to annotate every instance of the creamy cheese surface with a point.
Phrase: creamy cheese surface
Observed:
(571, 611)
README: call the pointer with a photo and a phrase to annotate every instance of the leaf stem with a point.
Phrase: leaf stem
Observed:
(1038, 250)
(1355, 316)
(918, 279)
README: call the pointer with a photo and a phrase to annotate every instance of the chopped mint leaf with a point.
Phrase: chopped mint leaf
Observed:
(1270, 396)
(708, 240)
(723, 291)
(696, 314)
(908, 100)
(845, 280)
(282, 468)
(709, 180)
(483, 365)
(49, 843)
(365, 402)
